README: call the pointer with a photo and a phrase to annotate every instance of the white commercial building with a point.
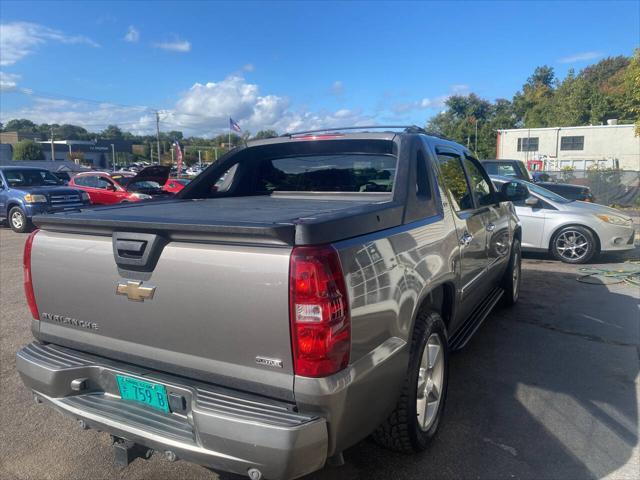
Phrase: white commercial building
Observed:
(581, 148)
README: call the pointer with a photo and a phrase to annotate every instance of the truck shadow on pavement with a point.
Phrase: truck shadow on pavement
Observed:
(545, 390)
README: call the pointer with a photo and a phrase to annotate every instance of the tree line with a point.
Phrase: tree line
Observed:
(605, 90)
(609, 89)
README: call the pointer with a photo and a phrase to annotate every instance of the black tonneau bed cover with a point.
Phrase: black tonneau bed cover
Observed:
(277, 220)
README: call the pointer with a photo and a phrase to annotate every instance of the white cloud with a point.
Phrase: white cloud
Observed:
(437, 102)
(249, 67)
(337, 88)
(460, 89)
(202, 110)
(132, 35)
(8, 81)
(580, 57)
(176, 45)
(19, 39)
(94, 117)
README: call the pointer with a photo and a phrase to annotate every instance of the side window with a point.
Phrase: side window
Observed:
(226, 180)
(479, 185)
(507, 170)
(103, 183)
(84, 181)
(455, 180)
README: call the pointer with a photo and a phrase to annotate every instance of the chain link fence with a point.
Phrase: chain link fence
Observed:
(609, 186)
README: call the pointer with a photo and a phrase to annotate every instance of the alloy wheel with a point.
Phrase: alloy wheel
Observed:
(430, 382)
(572, 245)
(17, 220)
(515, 275)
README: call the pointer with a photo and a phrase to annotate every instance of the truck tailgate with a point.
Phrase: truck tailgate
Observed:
(215, 308)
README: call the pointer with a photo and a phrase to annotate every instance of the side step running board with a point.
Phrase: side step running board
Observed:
(462, 336)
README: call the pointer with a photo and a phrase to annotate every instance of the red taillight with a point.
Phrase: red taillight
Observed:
(319, 312)
(28, 281)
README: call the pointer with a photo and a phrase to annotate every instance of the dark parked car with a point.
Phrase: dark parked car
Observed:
(517, 169)
(27, 191)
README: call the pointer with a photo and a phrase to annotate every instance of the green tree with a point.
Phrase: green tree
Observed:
(112, 132)
(27, 150)
(71, 132)
(533, 104)
(571, 104)
(630, 92)
(21, 125)
(265, 134)
(466, 115)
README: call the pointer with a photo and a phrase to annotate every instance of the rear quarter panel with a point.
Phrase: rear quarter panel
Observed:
(388, 274)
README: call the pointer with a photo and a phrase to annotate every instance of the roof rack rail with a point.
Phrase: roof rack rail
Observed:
(404, 128)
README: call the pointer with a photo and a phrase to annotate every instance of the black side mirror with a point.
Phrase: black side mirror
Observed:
(514, 192)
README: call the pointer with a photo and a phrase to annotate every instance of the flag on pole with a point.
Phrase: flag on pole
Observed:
(178, 150)
(234, 125)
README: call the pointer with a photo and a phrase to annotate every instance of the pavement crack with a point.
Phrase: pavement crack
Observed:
(585, 336)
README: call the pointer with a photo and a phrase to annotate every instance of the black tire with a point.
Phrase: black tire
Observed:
(401, 431)
(575, 256)
(512, 278)
(18, 221)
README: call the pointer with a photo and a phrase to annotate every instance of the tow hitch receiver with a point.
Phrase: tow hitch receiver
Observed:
(125, 451)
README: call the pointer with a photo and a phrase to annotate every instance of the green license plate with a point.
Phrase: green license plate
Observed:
(148, 393)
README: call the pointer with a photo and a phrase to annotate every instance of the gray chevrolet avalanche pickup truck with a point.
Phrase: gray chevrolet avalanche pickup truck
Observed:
(299, 295)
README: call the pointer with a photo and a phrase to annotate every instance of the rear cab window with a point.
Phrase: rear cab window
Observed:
(349, 167)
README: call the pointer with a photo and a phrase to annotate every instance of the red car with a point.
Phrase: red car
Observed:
(104, 188)
(174, 185)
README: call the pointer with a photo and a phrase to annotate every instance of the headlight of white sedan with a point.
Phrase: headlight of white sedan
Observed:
(32, 198)
(614, 219)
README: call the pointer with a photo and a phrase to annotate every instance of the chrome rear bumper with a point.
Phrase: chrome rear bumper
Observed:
(212, 426)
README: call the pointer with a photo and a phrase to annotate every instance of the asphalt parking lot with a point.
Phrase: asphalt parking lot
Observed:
(547, 390)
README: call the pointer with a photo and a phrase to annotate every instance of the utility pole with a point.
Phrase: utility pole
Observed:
(53, 153)
(158, 134)
(113, 156)
(476, 139)
(199, 159)
(151, 152)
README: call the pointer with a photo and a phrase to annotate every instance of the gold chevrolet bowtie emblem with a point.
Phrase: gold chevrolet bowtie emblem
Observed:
(135, 291)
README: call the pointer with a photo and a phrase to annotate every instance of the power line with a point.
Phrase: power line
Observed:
(56, 96)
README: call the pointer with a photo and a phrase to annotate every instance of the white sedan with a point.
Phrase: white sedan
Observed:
(572, 231)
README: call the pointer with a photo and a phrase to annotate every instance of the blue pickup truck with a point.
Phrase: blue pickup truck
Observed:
(27, 191)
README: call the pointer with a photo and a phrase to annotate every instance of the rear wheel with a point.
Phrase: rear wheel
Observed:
(415, 420)
(18, 220)
(513, 276)
(574, 245)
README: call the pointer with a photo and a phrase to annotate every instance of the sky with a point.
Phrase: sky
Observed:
(286, 65)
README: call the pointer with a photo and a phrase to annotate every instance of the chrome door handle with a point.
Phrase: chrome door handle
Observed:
(491, 227)
(465, 240)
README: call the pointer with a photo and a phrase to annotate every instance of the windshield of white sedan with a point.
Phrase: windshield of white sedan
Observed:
(548, 194)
